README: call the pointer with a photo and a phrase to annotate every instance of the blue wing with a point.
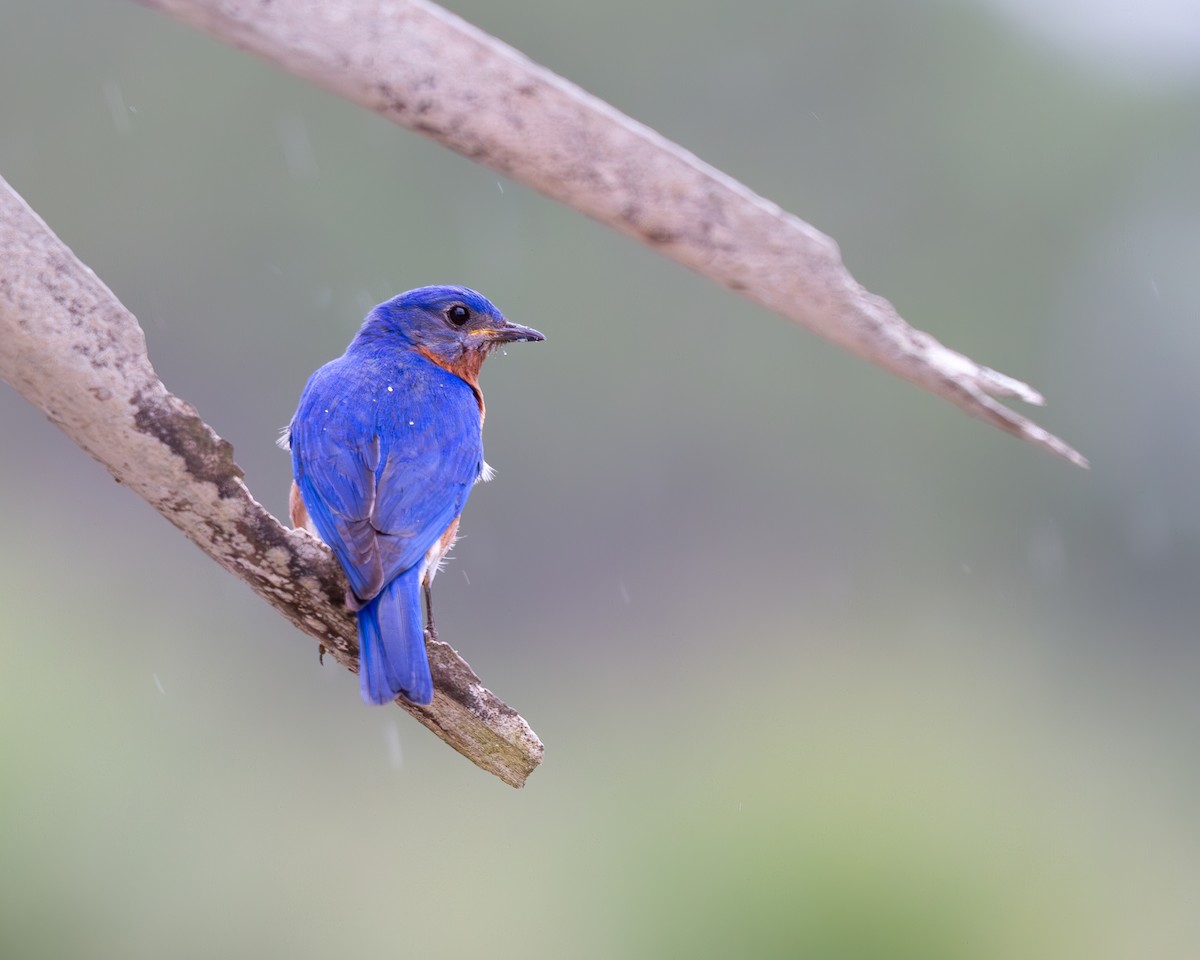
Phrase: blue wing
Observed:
(385, 450)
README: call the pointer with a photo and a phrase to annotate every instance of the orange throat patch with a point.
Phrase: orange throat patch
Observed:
(466, 368)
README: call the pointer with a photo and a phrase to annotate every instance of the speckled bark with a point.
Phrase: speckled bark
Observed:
(71, 349)
(432, 72)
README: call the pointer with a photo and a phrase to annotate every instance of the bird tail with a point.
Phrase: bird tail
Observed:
(391, 644)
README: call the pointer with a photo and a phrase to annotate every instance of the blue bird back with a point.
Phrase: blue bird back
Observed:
(385, 448)
(386, 445)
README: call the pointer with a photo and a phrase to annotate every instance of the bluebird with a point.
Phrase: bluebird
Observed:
(386, 444)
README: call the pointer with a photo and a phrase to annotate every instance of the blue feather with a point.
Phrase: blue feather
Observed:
(386, 445)
(391, 640)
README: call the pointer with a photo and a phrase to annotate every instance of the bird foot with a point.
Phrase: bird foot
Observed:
(430, 630)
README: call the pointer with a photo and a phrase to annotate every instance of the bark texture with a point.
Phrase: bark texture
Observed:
(430, 71)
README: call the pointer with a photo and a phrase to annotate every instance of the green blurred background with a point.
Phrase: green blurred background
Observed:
(823, 667)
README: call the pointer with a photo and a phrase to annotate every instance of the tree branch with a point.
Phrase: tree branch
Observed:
(432, 72)
(71, 349)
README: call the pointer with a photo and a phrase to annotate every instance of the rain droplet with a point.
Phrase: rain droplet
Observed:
(116, 105)
(297, 146)
(391, 734)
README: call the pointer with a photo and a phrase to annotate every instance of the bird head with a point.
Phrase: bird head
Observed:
(455, 327)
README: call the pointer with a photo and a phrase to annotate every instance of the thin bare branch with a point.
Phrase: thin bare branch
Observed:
(432, 72)
(71, 349)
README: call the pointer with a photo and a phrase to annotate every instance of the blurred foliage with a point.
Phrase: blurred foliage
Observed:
(824, 669)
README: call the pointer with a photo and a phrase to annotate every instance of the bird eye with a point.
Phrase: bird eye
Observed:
(458, 314)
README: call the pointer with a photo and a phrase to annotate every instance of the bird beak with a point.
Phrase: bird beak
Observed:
(506, 332)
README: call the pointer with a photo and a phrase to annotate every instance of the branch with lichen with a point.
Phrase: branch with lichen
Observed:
(72, 350)
(432, 72)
